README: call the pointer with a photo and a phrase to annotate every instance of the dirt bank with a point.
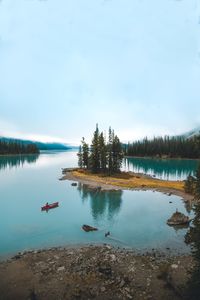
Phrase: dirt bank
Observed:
(93, 272)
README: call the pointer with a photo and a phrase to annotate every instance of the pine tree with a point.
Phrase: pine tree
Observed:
(103, 153)
(80, 157)
(117, 154)
(189, 185)
(197, 183)
(85, 155)
(95, 155)
(109, 149)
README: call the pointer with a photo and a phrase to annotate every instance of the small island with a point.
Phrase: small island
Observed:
(100, 166)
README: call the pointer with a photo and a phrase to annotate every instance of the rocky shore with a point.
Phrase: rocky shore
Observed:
(93, 272)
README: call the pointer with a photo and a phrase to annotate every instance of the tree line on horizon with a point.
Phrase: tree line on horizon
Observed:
(14, 147)
(101, 156)
(165, 146)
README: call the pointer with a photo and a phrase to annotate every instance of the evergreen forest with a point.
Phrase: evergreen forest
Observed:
(172, 147)
(14, 147)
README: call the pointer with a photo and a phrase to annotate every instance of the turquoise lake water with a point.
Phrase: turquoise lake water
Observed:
(136, 219)
(167, 169)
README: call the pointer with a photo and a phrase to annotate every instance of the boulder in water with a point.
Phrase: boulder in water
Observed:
(178, 219)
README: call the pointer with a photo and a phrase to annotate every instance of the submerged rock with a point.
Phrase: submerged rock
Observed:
(178, 219)
(89, 228)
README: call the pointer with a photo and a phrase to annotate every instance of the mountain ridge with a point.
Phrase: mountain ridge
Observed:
(192, 133)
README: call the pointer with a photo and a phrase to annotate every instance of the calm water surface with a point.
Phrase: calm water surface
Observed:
(167, 169)
(134, 218)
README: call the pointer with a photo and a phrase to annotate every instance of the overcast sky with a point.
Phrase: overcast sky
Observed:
(66, 65)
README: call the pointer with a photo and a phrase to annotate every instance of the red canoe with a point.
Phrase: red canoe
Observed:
(49, 206)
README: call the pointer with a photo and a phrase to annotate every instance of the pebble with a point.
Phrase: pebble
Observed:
(174, 266)
(103, 289)
(122, 283)
(60, 269)
(113, 257)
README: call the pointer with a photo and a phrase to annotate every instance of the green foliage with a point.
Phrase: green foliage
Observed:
(189, 185)
(167, 146)
(109, 150)
(193, 238)
(102, 152)
(85, 149)
(83, 155)
(102, 156)
(116, 153)
(14, 147)
(80, 157)
(95, 152)
(197, 183)
(192, 184)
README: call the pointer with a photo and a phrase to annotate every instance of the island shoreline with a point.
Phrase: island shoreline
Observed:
(73, 174)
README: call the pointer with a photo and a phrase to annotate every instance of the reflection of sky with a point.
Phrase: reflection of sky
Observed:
(44, 160)
(137, 61)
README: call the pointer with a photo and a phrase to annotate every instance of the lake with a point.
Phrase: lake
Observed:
(136, 219)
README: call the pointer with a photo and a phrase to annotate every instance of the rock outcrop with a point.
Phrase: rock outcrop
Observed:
(178, 219)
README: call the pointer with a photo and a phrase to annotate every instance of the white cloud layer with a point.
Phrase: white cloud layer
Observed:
(67, 65)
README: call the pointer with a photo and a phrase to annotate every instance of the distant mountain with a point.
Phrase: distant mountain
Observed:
(40, 145)
(192, 133)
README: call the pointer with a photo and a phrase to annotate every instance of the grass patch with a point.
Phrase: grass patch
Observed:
(129, 180)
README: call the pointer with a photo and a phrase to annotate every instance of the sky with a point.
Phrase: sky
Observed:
(66, 65)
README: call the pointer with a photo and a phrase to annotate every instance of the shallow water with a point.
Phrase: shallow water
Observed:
(135, 218)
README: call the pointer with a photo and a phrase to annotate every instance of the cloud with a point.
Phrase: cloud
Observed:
(8, 129)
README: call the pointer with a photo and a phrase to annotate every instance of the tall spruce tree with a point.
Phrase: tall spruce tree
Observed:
(95, 154)
(197, 183)
(80, 157)
(110, 149)
(117, 154)
(102, 152)
(85, 150)
(189, 185)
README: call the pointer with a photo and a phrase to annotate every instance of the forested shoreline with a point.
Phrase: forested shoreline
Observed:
(17, 148)
(169, 147)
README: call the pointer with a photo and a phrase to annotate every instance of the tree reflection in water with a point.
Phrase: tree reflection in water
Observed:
(12, 161)
(103, 203)
(175, 169)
